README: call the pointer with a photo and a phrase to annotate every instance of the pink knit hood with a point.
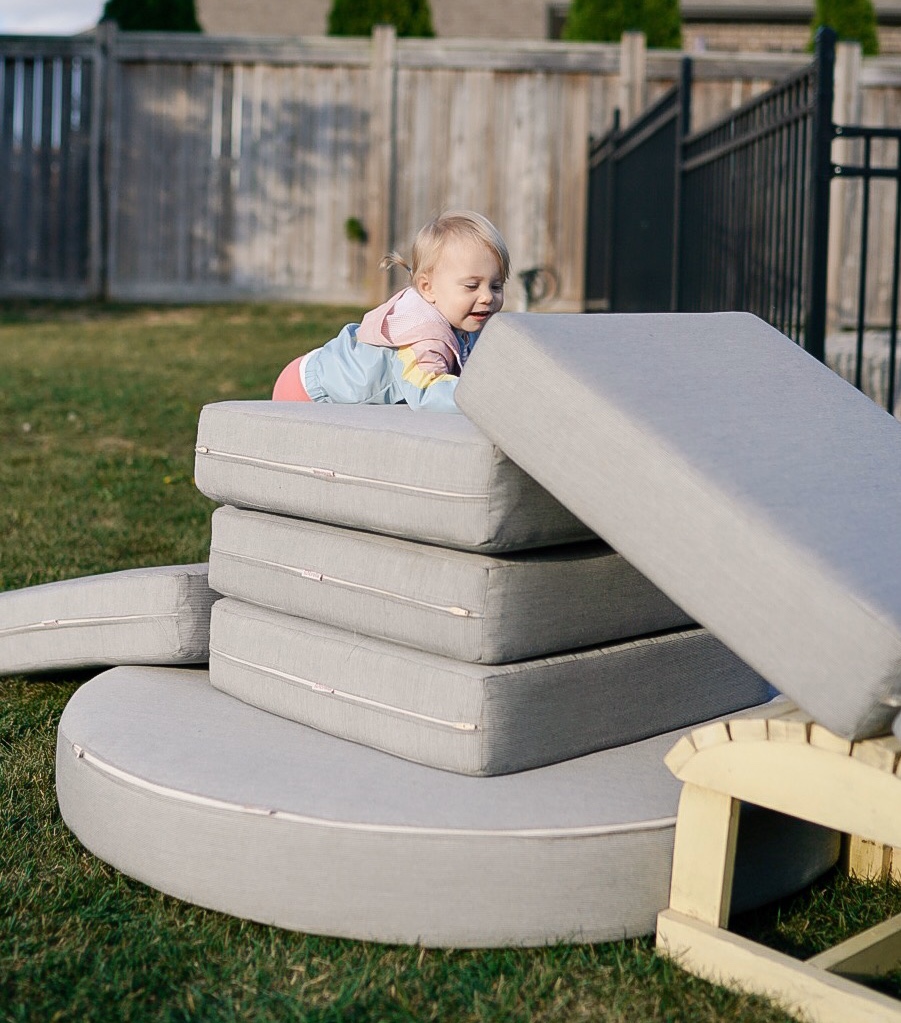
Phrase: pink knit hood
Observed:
(408, 319)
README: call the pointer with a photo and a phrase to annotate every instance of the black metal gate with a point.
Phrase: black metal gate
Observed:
(755, 209)
(869, 172)
(633, 188)
(737, 215)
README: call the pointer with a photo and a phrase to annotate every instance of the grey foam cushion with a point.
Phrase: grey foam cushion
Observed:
(745, 479)
(226, 806)
(388, 469)
(157, 615)
(462, 604)
(473, 718)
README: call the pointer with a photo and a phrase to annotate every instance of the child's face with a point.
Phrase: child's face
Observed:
(466, 284)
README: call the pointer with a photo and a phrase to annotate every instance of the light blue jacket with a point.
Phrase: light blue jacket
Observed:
(413, 355)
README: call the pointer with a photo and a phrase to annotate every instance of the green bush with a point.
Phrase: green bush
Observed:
(152, 15)
(604, 21)
(853, 20)
(358, 17)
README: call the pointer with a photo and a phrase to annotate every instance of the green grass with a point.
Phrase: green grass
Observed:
(98, 412)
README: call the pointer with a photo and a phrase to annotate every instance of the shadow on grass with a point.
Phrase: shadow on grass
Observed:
(833, 909)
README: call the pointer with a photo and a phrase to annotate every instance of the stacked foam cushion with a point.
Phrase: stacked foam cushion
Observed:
(137, 616)
(747, 480)
(466, 653)
(394, 579)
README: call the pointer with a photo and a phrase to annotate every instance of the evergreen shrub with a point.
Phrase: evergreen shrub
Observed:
(359, 17)
(604, 21)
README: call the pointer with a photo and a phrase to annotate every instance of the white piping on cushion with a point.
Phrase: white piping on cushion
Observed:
(588, 831)
(68, 623)
(330, 474)
(319, 577)
(317, 687)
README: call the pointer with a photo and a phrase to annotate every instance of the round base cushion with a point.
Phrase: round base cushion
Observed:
(203, 797)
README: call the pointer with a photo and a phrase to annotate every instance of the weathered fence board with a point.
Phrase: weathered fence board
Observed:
(236, 180)
(47, 159)
(230, 166)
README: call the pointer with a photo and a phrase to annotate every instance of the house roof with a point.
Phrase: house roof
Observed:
(765, 10)
(515, 19)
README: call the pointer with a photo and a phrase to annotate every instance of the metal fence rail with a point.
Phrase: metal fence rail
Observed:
(633, 207)
(868, 172)
(599, 241)
(751, 208)
(633, 203)
(747, 221)
(735, 216)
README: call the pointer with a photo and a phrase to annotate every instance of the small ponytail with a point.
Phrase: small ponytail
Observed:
(395, 259)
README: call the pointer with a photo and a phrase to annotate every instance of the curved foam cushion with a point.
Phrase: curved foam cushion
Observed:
(474, 607)
(155, 615)
(387, 468)
(215, 802)
(474, 718)
(755, 487)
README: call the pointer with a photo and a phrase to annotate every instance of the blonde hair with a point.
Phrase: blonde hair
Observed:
(434, 235)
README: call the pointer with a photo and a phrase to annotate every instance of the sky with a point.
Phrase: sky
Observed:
(48, 17)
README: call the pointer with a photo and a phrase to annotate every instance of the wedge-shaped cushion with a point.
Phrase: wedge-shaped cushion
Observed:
(473, 718)
(137, 616)
(388, 469)
(755, 487)
(475, 607)
(228, 807)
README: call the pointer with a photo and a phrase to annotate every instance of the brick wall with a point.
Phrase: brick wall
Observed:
(774, 38)
(264, 17)
(524, 19)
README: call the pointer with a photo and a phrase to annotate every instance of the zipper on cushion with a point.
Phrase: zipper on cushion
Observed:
(318, 687)
(211, 802)
(68, 623)
(321, 577)
(330, 474)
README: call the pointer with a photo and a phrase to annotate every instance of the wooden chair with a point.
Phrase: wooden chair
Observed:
(789, 763)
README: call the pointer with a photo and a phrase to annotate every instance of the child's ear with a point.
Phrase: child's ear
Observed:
(424, 286)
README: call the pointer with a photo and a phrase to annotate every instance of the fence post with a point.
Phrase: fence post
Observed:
(610, 197)
(108, 141)
(683, 127)
(847, 110)
(98, 263)
(381, 199)
(820, 181)
(633, 75)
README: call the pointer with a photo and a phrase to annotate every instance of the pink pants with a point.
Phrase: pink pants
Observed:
(289, 387)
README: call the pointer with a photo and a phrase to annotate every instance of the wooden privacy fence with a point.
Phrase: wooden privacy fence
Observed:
(50, 131)
(183, 168)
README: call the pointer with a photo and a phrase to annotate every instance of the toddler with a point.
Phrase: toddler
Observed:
(412, 348)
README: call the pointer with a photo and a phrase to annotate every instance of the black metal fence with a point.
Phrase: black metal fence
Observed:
(869, 172)
(738, 212)
(754, 227)
(633, 183)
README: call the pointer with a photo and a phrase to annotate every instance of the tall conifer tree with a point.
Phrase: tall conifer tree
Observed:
(853, 20)
(152, 15)
(359, 17)
(604, 21)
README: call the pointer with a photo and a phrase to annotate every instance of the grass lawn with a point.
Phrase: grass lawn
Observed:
(98, 412)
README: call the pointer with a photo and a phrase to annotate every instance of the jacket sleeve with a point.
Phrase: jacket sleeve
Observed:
(345, 371)
(424, 378)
